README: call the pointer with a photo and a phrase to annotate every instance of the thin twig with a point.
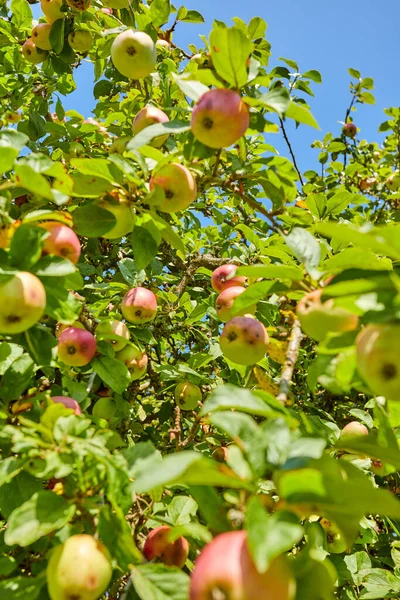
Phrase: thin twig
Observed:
(204, 260)
(192, 433)
(290, 361)
(257, 206)
(291, 150)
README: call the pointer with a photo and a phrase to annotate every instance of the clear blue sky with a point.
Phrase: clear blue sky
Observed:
(329, 36)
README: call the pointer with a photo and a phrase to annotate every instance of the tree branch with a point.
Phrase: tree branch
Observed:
(203, 260)
(290, 361)
(192, 433)
(291, 150)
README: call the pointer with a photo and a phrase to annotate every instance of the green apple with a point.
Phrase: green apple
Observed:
(114, 327)
(105, 408)
(150, 115)
(80, 40)
(318, 318)
(134, 359)
(334, 540)
(79, 5)
(244, 340)
(62, 241)
(134, 54)
(187, 395)
(124, 217)
(23, 302)
(52, 9)
(139, 306)
(41, 36)
(225, 300)
(393, 182)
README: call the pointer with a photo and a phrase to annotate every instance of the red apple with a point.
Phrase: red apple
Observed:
(134, 359)
(68, 402)
(244, 340)
(62, 241)
(179, 186)
(114, 327)
(61, 326)
(225, 300)
(22, 303)
(139, 306)
(157, 546)
(349, 130)
(220, 118)
(76, 347)
(220, 281)
(187, 395)
(225, 570)
(354, 428)
(149, 115)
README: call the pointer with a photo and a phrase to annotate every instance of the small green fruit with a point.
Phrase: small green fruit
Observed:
(80, 40)
(187, 395)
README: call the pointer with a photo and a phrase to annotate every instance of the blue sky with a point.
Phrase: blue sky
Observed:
(322, 35)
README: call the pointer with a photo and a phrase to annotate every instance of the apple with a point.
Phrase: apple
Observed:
(123, 215)
(119, 145)
(79, 569)
(157, 546)
(60, 327)
(134, 54)
(116, 3)
(134, 359)
(40, 36)
(68, 402)
(244, 340)
(220, 118)
(179, 186)
(104, 408)
(139, 306)
(52, 9)
(354, 428)
(349, 130)
(149, 115)
(76, 149)
(163, 44)
(33, 54)
(62, 241)
(220, 454)
(220, 281)
(114, 327)
(13, 117)
(225, 571)
(80, 5)
(80, 40)
(23, 302)
(393, 182)
(107, 11)
(334, 540)
(318, 318)
(187, 395)
(366, 184)
(225, 300)
(76, 347)
(377, 350)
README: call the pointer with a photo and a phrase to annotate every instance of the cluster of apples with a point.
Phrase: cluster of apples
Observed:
(244, 339)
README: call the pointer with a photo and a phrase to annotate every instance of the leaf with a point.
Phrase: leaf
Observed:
(40, 342)
(43, 513)
(382, 240)
(17, 378)
(257, 28)
(113, 372)
(130, 272)
(356, 258)
(229, 397)
(26, 246)
(230, 49)
(276, 100)
(313, 75)
(159, 582)
(192, 16)
(211, 506)
(272, 271)
(21, 14)
(116, 534)
(91, 220)
(252, 294)
(57, 35)
(17, 491)
(144, 246)
(152, 131)
(21, 588)
(306, 248)
(33, 182)
(301, 114)
(53, 266)
(89, 186)
(95, 167)
(7, 158)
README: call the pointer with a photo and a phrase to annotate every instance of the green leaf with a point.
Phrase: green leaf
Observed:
(96, 167)
(91, 220)
(276, 100)
(271, 272)
(211, 506)
(116, 534)
(33, 182)
(230, 49)
(130, 272)
(7, 158)
(301, 114)
(159, 582)
(313, 75)
(88, 186)
(53, 266)
(17, 491)
(21, 588)
(40, 342)
(17, 378)
(228, 397)
(57, 35)
(170, 127)
(306, 248)
(357, 258)
(192, 16)
(382, 240)
(341, 200)
(113, 372)
(44, 513)
(26, 246)
(257, 28)
(144, 246)
(159, 12)
(21, 14)
(252, 295)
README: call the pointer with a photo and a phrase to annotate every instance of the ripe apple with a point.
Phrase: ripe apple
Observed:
(124, 217)
(68, 402)
(149, 115)
(244, 340)
(393, 182)
(76, 347)
(52, 9)
(80, 5)
(179, 186)
(62, 241)
(139, 306)
(60, 327)
(334, 541)
(225, 570)
(367, 183)
(220, 454)
(80, 40)
(79, 569)
(116, 3)
(40, 36)
(23, 302)
(354, 428)
(114, 327)
(318, 318)
(377, 348)
(134, 54)
(33, 54)
(225, 300)
(134, 359)
(220, 281)
(349, 130)
(104, 408)
(157, 546)
(220, 118)
(187, 395)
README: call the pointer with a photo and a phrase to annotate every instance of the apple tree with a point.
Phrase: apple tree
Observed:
(199, 342)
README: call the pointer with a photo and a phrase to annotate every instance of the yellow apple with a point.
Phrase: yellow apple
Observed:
(33, 54)
(134, 54)
(41, 36)
(80, 40)
(23, 302)
(179, 187)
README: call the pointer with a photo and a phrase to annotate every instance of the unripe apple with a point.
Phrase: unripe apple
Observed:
(116, 3)
(179, 186)
(244, 340)
(105, 408)
(79, 5)
(318, 318)
(220, 281)
(13, 117)
(393, 182)
(41, 36)
(378, 351)
(76, 347)
(68, 402)
(62, 241)
(225, 570)
(157, 546)
(163, 44)
(354, 428)
(220, 118)
(60, 327)
(187, 395)
(134, 359)
(119, 145)
(124, 217)
(33, 54)
(114, 327)
(134, 54)
(52, 9)
(150, 115)
(80, 40)
(225, 300)
(349, 130)
(22, 303)
(334, 540)
(79, 569)
(139, 306)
